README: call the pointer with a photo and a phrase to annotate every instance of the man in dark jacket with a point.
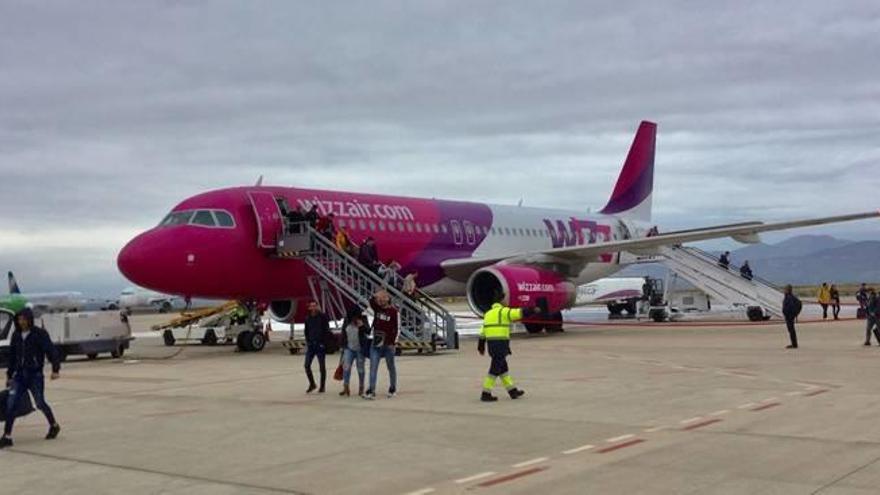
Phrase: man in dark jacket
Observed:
(872, 314)
(791, 308)
(317, 330)
(295, 218)
(29, 347)
(369, 255)
(312, 216)
(745, 271)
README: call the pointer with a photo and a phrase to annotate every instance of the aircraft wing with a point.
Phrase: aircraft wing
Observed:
(461, 268)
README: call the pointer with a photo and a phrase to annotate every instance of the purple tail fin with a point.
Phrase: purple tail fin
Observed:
(632, 193)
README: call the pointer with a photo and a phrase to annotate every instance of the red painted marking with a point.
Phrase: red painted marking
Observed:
(816, 392)
(612, 448)
(765, 406)
(510, 477)
(701, 424)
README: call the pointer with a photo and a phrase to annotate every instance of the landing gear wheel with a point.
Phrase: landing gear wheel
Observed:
(534, 327)
(168, 337)
(614, 309)
(755, 313)
(243, 341)
(92, 356)
(118, 352)
(555, 327)
(658, 315)
(630, 308)
(165, 307)
(210, 337)
(256, 341)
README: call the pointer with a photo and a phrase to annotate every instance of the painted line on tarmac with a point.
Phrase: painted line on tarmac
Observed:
(771, 399)
(475, 477)
(530, 462)
(575, 450)
(620, 438)
(612, 448)
(690, 420)
(653, 429)
(719, 413)
(766, 406)
(747, 405)
(793, 393)
(423, 491)
(815, 392)
(511, 477)
(707, 422)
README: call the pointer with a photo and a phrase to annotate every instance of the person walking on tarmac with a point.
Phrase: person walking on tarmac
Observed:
(495, 334)
(791, 308)
(317, 330)
(29, 347)
(872, 312)
(824, 298)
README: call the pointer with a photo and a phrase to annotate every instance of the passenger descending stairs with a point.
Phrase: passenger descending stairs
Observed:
(424, 323)
(724, 286)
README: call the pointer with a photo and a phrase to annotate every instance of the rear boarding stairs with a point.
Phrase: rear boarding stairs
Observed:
(726, 286)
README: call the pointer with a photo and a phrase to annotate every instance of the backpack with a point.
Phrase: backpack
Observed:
(798, 305)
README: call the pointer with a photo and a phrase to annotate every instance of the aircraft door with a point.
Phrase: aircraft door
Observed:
(469, 233)
(5, 324)
(268, 218)
(456, 232)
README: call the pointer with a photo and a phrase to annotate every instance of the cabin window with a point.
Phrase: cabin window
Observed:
(177, 218)
(382, 226)
(418, 227)
(224, 219)
(391, 226)
(436, 229)
(203, 217)
(372, 225)
(443, 228)
(362, 224)
(400, 226)
(409, 227)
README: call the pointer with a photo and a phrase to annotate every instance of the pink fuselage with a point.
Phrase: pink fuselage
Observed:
(227, 263)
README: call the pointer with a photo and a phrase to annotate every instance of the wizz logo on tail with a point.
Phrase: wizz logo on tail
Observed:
(577, 233)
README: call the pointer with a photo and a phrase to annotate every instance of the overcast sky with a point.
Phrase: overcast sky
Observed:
(112, 112)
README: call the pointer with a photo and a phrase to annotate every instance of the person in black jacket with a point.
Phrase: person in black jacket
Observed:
(29, 347)
(745, 271)
(312, 215)
(355, 346)
(317, 330)
(872, 312)
(791, 308)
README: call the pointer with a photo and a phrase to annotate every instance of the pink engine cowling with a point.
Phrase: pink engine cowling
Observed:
(521, 286)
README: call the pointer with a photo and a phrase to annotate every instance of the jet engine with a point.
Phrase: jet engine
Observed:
(283, 310)
(520, 286)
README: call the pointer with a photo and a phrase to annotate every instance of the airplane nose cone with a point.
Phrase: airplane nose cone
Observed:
(131, 259)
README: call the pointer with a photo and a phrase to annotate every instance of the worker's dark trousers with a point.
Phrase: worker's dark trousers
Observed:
(792, 334)
(871, 325)
(24, 382)
(313, 351)
(824, 310)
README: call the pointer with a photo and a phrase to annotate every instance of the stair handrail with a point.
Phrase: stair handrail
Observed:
(733, 268)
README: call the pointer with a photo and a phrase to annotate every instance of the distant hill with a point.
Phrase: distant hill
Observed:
(800, 260)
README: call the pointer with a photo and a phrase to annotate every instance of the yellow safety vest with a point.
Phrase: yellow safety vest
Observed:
(496, 322)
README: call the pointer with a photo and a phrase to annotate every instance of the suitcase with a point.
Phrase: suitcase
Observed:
(861, 313)
(25, 405)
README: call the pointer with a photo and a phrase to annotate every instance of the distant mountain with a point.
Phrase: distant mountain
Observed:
(805, 259)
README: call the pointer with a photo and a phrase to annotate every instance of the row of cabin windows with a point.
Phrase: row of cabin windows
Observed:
(428, 228)
(204, 218)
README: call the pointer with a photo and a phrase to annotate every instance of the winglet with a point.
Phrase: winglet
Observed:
(632, 193)
(13, 285)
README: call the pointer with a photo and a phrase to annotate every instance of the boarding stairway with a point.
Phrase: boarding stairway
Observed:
(424, 323)
(723, 285)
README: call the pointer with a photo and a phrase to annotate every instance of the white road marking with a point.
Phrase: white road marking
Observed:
(423, 491)
(620, 438)
(474, 477)
(719, 413)
(771, 399)
(746, 406)
(529, 462)
(577, 449)
(652, 429)
(691, 420)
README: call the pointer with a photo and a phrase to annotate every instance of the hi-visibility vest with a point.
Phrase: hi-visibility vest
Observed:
(496, 322)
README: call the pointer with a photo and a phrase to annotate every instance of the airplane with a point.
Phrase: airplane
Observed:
(136, 298)
(220, 244)
(48, 301)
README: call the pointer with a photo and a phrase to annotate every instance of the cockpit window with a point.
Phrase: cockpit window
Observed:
(224, 219)
(177, 218)
(5, 324)
(203, 217)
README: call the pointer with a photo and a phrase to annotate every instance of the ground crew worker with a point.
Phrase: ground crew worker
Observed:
(496, 331)
(824, 298)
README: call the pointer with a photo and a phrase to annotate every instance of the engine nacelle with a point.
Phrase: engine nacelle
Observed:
(283, 310)
(522, 286)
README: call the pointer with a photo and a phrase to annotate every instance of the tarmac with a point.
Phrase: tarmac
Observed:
(652, 409)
